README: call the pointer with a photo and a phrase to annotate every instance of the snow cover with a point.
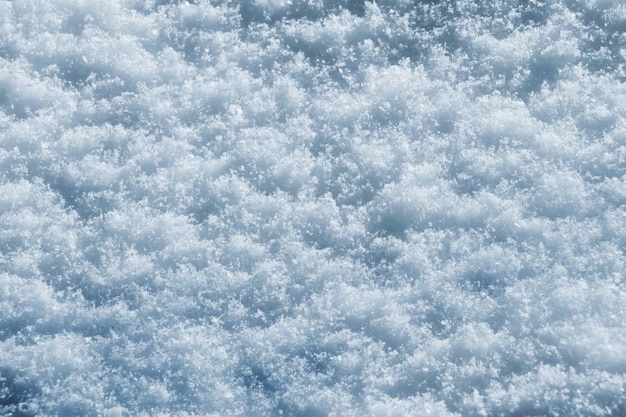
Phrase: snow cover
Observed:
(312, 208)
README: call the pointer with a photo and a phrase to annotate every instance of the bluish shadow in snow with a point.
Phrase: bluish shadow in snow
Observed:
(8, 52)
(542, 71)
(172, 2)
(533, 410)
(87, 205)
(106, 87)
(289, 410)
(74, 71)
(356, 7)
(18, 109)
(254, 377)
(487, 283)
(16, 393)
(252, 13)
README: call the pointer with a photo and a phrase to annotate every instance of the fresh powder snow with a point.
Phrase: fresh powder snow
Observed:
(313, 208)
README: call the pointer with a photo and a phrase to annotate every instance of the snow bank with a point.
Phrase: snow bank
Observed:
(312, 208)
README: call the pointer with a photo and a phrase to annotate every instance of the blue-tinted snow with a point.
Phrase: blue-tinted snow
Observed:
(312, 208)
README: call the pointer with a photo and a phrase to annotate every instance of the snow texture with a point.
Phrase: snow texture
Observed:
(312, 208)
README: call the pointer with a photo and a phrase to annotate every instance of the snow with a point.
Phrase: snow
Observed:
(312, 208)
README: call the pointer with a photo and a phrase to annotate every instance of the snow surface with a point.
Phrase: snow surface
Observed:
(312, 208)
